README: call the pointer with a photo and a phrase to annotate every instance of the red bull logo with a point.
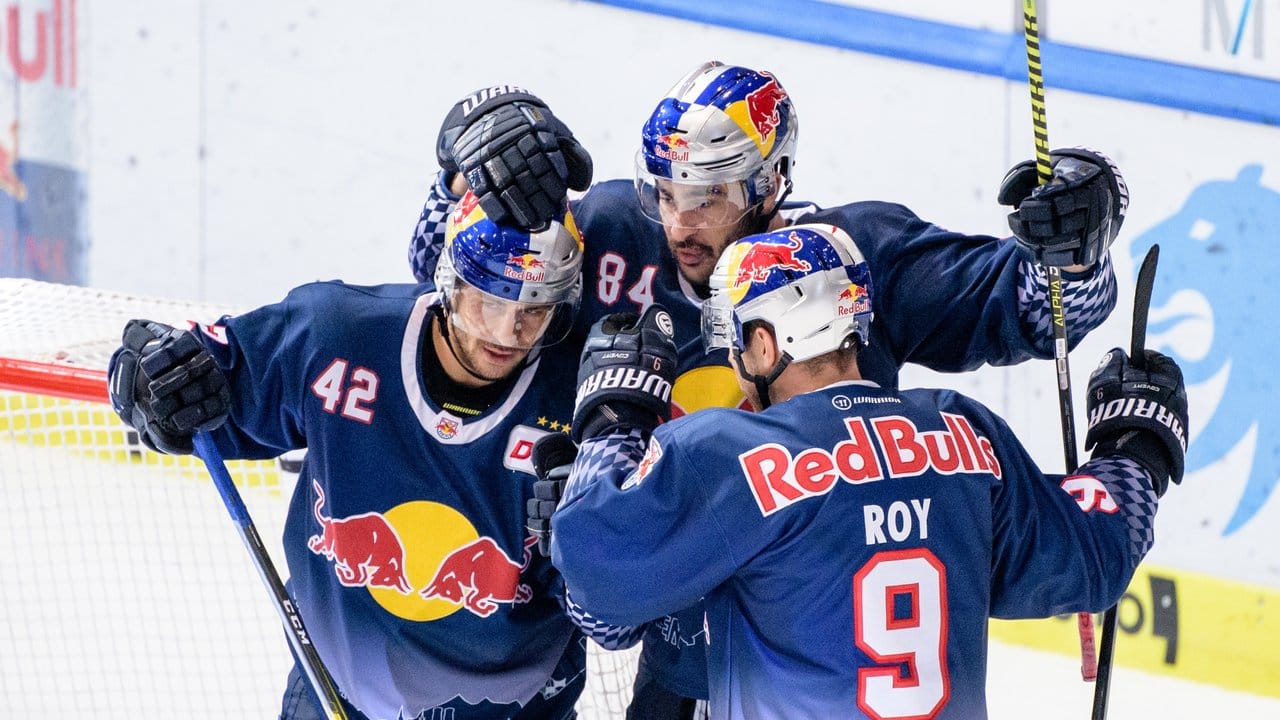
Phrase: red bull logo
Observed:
(525, 267)
(672, 146)
(764, 257)
(652, 454)
(446, 428)
(853, 300)
(479, 575)
(776, 478)
(41, 44)
(466, 205)
(762, 107)
(422, 561)
(527, 261)
(365, 549)
(465, 214)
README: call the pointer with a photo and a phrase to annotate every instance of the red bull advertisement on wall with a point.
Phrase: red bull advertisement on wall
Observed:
(43, 231)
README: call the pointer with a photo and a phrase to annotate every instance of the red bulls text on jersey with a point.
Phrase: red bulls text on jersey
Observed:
(777, 479)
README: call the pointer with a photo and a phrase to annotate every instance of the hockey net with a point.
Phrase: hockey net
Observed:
(126, 591)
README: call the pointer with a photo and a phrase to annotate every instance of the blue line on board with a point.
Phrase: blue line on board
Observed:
(1001, 54)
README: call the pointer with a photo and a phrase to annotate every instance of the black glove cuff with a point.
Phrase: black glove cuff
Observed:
(1144, 448)
(614, 416)
(121, 370)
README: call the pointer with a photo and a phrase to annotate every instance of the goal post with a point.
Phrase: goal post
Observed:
(126, 591)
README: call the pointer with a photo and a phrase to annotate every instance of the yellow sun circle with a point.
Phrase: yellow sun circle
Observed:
(428, 532)
(704, 387)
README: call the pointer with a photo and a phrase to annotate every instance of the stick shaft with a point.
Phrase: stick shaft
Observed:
(299, 640)
(1137, 355)
(1066, 409)
(1035, 79)
(1044, 172)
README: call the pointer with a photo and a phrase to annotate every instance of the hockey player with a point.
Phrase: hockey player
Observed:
(405, 540)
(850, 540)
(715, 164)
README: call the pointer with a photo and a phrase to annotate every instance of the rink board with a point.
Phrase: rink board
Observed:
(1187, 625)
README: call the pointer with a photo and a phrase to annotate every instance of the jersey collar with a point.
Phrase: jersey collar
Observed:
(442, 425)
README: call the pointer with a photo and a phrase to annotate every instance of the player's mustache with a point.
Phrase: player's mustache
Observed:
(691, 244)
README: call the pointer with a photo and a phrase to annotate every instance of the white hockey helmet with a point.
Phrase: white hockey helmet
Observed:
(721, 139)
(810, 283)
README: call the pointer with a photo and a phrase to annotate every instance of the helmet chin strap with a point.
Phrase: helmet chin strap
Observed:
(766, 218)
(759, 223)
(761, 382)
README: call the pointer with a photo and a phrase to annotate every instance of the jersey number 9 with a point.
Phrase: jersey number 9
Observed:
(900, 618)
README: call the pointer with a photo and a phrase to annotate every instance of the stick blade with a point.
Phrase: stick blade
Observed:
(1142, 305)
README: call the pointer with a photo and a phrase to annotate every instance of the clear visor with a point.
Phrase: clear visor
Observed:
(720, 328)
(490, 319)
(691, 205)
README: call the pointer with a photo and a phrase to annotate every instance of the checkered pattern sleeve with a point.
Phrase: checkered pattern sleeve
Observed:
(609, 637)
(428, 234)
(1130, 486)
(1068, 543)
(619, 453)
(611, 456)
(1087, 299)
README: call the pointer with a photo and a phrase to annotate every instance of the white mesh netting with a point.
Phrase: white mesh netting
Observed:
(127, 591)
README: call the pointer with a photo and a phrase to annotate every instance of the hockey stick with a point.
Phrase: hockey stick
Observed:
(1138, 359)
(308, 658)
(1142, 305)
(1044, 170)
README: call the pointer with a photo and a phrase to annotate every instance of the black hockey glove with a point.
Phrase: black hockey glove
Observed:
(1139, 413)
(1074, 218)
(628, 367)
(517, 156)
(553, 457)
(165, 385)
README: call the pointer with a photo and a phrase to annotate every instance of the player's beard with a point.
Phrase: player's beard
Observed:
(483, 360)
(486, 360)
(697, 252)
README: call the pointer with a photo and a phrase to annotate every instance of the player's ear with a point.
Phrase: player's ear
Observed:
(772, 353)
(761, 346)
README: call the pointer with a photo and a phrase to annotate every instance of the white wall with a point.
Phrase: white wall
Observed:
(319, 122)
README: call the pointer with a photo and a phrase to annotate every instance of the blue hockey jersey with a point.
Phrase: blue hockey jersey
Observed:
(405, 539)
(944, 300)
(849, 543)
(948, 301)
